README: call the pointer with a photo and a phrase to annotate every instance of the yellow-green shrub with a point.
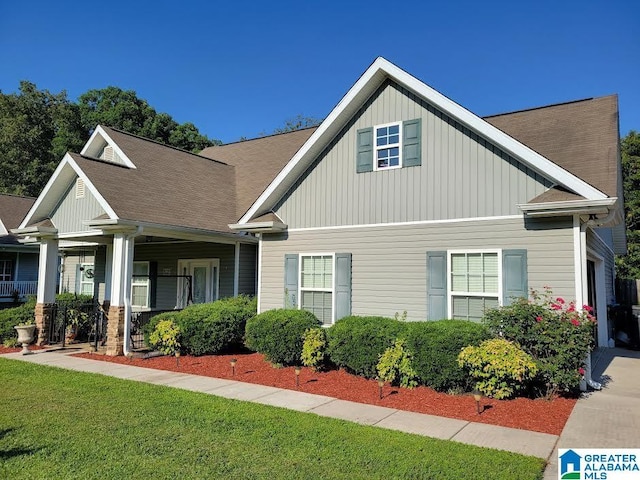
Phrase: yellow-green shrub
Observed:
(499, 367)
(165, 337)
(314, 348)
(395, 366)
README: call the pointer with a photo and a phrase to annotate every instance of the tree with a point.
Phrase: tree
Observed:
(297, 123)
(628, 266)
(122, 109)
(36, 128)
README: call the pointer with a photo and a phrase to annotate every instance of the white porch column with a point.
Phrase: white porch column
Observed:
(46, 292)
(120, 293)
(236, 270)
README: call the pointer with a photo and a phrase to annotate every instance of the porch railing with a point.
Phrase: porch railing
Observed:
(20, 288)
(138, 322)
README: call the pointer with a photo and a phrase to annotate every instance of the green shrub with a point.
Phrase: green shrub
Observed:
(395, 366)
(553, 332)
(209, 328)
(150, 326)
(10, 317)
(277, 334)
(499, 367)
(314, 348)
(436, 346)
(165, 337)
(356, 343)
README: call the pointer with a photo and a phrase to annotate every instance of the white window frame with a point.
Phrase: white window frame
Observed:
(333, 281)
(136, 281)
(377, 148)
(4, 270)
(454, 293)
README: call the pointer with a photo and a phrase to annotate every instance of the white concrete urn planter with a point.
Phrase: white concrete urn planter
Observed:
(25, 336)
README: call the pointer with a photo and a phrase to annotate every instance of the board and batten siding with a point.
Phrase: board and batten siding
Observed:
(461, 176)
(599, 246)
(389, 272)
(71, 212)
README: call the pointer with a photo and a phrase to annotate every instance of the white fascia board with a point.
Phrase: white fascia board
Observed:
(259, 226)
(98, 133)
(575, 206)
(366, 84)
(3, 229)
(63, 167)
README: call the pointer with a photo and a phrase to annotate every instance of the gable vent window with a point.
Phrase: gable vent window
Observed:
(79, 188)
(389, 146)
(107, 154)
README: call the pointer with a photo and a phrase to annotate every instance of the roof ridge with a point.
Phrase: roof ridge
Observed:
(139, 137)
(262, 137)
(546, 106)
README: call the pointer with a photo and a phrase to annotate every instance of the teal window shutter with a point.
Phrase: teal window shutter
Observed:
(153, 284)
(78, 277)
(411, 143)
(291, 280)
(514, 275)
(436, 285)
(343, 285)
(364, 154)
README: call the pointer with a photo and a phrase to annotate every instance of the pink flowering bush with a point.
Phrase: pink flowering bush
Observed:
(556, 333)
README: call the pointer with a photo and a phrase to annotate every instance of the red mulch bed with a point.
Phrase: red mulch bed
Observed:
(4, 350)
(537, 415)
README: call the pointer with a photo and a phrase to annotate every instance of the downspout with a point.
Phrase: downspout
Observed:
(592, 222)
(127, 293)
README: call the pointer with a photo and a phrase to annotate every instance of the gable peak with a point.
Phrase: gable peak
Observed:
(101, 146)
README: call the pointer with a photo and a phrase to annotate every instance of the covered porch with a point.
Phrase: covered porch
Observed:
(135, 270)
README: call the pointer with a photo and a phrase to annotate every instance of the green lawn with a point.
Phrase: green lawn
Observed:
(58, 424)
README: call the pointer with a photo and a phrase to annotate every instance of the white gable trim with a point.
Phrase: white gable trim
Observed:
(381, 69)
(62, 170)
(90, 147)
(3, 229)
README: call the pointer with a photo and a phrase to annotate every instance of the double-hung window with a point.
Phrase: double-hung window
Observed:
(388, 148)
(140, 285)
(475, 281)
(316, 286)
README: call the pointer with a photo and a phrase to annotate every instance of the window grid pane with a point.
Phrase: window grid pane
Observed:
(474, 272)
(316, 293)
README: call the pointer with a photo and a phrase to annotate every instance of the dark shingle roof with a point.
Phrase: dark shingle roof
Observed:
(13, 209)
(168, 186)
(581, 137)
(258, 161)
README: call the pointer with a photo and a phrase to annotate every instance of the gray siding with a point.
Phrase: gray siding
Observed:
(248, 269)
(71, 263)
(461, 176)
(71, 212)
(599, 246)
(389, 263)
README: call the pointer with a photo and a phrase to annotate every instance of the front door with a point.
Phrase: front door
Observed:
(199, 281)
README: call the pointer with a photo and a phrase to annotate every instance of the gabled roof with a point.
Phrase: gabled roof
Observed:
(257, 162)
(582, 137)
(13, 209)
(380, 71)
(168, 186)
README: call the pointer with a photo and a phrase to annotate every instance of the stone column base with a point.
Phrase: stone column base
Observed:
(44, 313)
(115, 331)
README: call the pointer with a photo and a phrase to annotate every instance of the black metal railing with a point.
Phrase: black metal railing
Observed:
(138, 321)
(77, 323)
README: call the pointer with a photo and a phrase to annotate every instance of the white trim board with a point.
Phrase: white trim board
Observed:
(403, 224)
(380, 70)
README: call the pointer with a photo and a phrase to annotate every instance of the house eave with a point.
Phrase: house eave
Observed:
(35, 231)
(259, 227)
(571, 207)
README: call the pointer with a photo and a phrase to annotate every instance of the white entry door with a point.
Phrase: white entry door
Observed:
(203, 274)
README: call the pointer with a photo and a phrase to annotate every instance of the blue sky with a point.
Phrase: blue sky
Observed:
(242, 68)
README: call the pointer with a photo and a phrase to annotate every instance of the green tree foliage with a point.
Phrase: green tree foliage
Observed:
(628, 266)
(38, 127)
(298, 123)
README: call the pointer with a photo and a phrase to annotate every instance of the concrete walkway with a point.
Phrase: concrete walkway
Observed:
(609, 418)
(606, 419)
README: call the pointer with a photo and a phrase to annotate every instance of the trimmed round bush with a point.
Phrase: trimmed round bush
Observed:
(278, 334)
(435, 347)
(356, 343)
(209, 328)
(153, 322)
(10, 317)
